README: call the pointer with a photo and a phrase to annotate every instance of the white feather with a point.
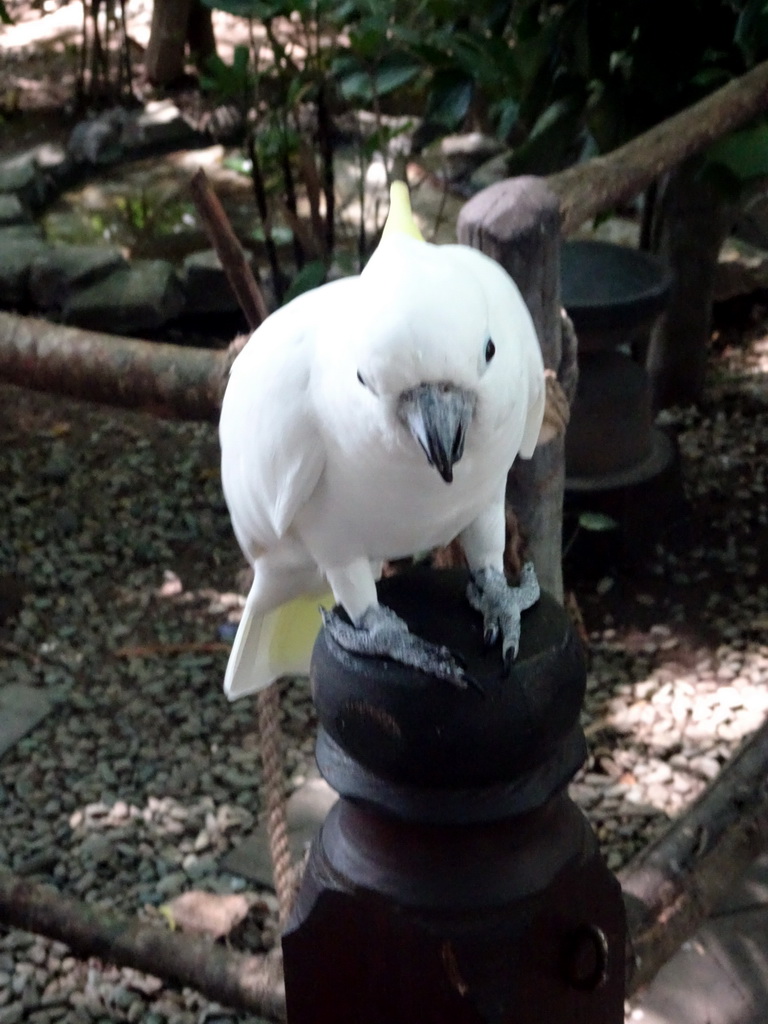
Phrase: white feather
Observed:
(321, 477)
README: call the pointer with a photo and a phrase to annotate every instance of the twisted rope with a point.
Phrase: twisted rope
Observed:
(273, 788)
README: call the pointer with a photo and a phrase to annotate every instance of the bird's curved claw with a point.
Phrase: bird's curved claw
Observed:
(381, 633)
(501, 606)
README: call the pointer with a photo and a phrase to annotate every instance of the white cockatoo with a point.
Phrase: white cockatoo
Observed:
(371, 419)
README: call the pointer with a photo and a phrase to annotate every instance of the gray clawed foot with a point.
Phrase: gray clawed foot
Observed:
(501, 605)
(382, 634)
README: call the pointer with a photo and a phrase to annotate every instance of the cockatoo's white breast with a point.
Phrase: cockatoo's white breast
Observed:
(314, 454)
(421, 314)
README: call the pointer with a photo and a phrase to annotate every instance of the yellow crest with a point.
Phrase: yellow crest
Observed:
(400, 217)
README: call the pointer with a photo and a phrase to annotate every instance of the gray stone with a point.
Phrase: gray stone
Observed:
(206, 287)
(96, 847)
(22, 176)
(19, 248)
(741, 269)
(20, 233)
(716, 978)
(55, 275)
(21, 708)
(50, 156)
(12, 210)
(99, 139)
(160, 126)
(171, 884)
(39, 863)
(58, 465)
(137, 298)
(463, 154)
(199, 867)
(12, 1014)
(750, 892)
(489, 173)
(752, 221)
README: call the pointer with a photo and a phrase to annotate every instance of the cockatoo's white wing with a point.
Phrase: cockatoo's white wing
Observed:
(272, 458)
(272, 454)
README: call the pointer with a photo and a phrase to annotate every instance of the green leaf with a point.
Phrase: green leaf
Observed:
(240, 60)
(361, 82)
(368, 40)
(506, 114)
(239, 163)
(395, 74)
(229, 81)
(597, 522)
(310, 276)
(5, 17)
(744, 153)
(449, 99)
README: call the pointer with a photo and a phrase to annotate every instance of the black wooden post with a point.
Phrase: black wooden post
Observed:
(454, 882)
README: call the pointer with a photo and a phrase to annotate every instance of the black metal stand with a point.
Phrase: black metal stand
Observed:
(454, 882)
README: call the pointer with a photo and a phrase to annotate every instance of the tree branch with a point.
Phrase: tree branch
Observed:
(171, 380)
(229, 251)
(603, 182)
(234, 979)
(673, 885)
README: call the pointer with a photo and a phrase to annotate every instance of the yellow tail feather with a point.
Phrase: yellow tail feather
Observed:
(276, 644)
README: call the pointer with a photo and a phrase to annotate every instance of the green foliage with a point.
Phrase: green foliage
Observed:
(744, 153)
(233, 81)
(738, 160)
(310, 276)
(555, 79)
(5, 18)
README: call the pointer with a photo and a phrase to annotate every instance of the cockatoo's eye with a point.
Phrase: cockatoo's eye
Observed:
(490, 350)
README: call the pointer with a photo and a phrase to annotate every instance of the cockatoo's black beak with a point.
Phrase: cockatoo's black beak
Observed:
(438, 416)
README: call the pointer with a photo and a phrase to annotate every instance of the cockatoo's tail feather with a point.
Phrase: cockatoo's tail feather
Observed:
(273, 645)
(400, 217)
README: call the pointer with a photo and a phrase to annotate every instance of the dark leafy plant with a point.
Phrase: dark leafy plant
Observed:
(555, 80)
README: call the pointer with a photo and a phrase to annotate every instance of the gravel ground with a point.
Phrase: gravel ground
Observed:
(117, 544)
